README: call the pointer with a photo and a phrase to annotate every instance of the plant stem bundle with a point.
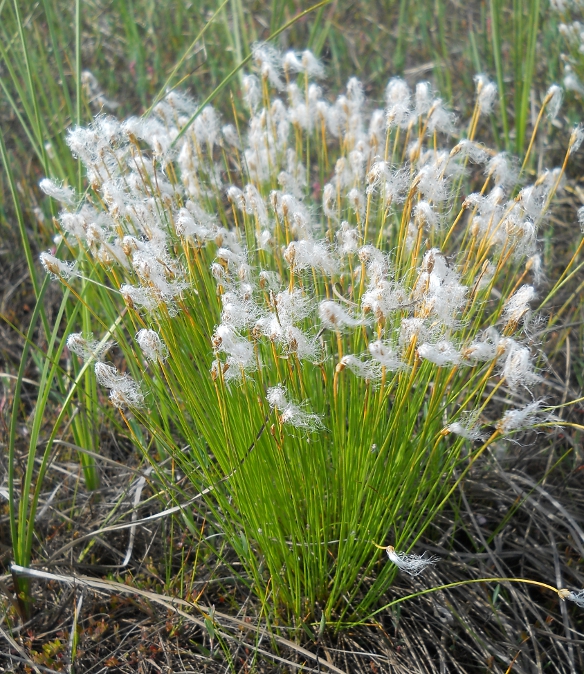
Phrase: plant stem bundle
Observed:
(319, 310)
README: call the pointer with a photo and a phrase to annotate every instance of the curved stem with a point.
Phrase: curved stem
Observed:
(459, 583)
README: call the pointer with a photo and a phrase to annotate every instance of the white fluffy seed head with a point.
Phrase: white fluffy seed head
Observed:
(397, 98)
(424, 214)
(357, 201)
(268, 61)
(581, 218)
(238, 311)
(441, 353)
(423, 98)
(365, 369)
(412, 564)
(235, 196)
(468, 433)
(152, 346)
(294, 415)
(74, 224)
(413, 328)
(62, 193)
(572, 83)
(383, 353)
(107, 375)
(467, 427)
(383, 297)
(520, 419)
(291, 62)
(139, 297)
(440, 119)
(576, 597)
(471, 149)
(503, 170)
(295, 341)
(334, 317)
(378, 173)
(292, 307)
(517, 306)
(57, 268)
(311, 65)
(518, 366)
(328, 201)
(231, 136)
(486, 93)
(252, 92)
(298, 418)
(483, 349)
(348, 239)
(255, 204)
(127, 397)
(397, 92)
(227, 340)
(124, 391)
(269, 280)
(554, 98)
(576, 139)
(86, 347)
(376, 262)
(276, 397)
(306, 253)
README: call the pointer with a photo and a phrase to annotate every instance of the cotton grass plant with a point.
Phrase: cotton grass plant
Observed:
(314, 307)
(571, 30)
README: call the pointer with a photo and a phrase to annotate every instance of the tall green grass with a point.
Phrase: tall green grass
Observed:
(317, 359)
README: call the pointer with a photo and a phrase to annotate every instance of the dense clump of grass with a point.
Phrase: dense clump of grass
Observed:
(315, 312)
(312, 314)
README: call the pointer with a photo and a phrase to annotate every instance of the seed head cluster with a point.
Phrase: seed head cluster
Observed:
(354, 249)
(360, 272)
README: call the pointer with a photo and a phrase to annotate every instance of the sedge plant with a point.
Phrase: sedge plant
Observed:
(318, 309)
(570, 28)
